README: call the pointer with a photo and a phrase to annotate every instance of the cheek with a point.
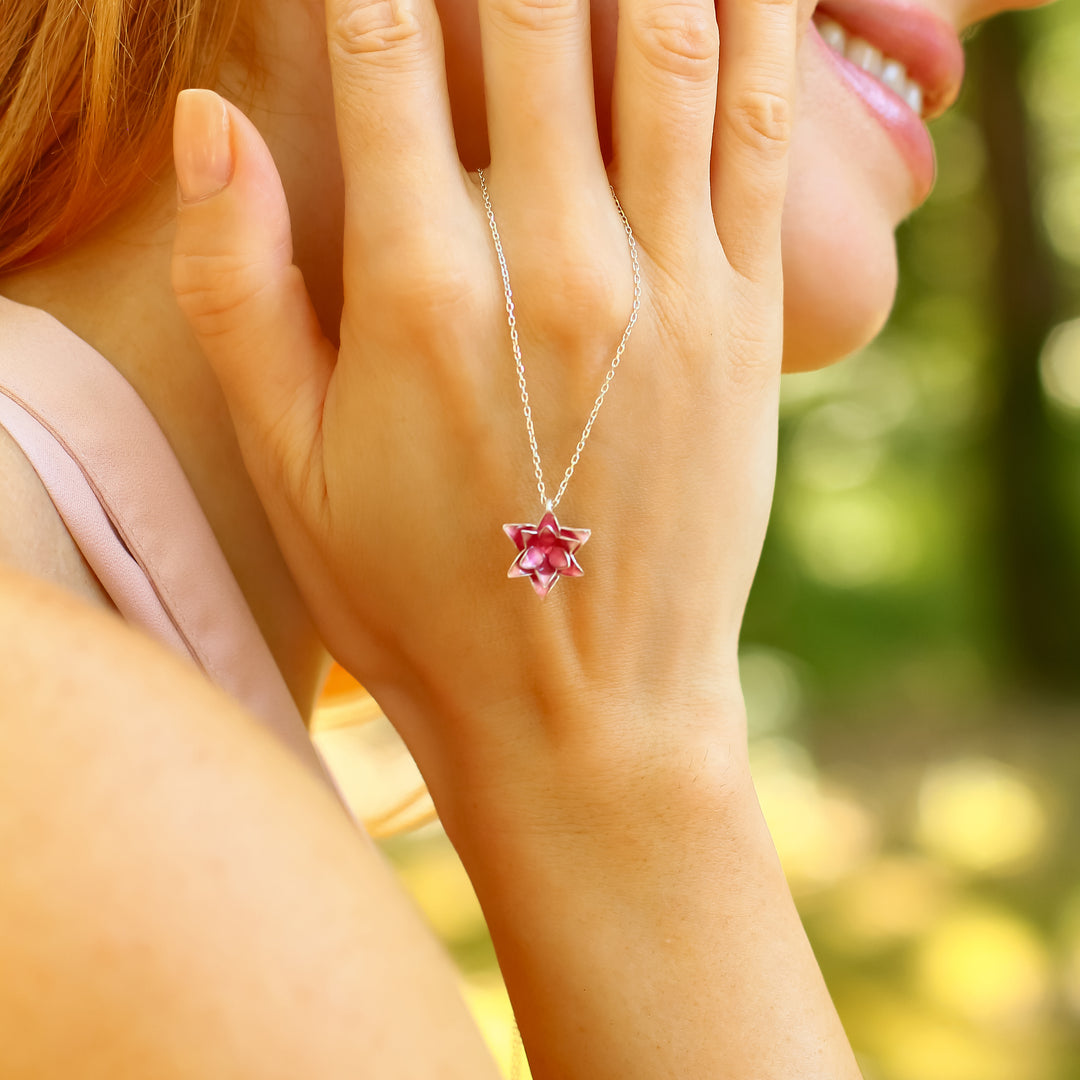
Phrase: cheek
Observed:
(840, 268)
(839, 249)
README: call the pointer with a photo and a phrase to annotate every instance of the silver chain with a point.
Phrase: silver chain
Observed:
(552, 503)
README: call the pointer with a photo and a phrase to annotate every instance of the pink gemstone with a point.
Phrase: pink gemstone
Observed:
(533, 558)
(547, 552)
(542, 582)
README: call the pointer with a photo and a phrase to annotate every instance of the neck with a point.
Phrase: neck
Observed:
(113, 291)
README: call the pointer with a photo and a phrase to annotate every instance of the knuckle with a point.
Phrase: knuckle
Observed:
(762, 119)
(213, 291)
(535, 16)
(759, 262)
(680, 38)
(376, 26)
(421, 291)
(580, 301)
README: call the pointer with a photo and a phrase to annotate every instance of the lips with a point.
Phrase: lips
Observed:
(923, 42)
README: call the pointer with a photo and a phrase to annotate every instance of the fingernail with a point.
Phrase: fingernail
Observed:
(201, 146)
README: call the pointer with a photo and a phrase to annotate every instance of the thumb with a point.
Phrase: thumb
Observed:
(234, 279)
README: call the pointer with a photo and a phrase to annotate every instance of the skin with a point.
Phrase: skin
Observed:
(597, 789)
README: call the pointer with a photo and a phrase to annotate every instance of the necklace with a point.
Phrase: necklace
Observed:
(547, 550)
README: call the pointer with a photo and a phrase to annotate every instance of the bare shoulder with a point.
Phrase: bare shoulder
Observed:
(33, 536)
(188, 900)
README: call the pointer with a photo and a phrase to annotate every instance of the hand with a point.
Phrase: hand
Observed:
(388, 466)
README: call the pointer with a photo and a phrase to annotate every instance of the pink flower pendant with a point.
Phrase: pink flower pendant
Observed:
(547, 552)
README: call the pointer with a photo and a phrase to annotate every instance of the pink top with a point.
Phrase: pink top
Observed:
(128, 505)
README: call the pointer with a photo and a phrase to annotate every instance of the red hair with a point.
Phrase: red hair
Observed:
(87, 89)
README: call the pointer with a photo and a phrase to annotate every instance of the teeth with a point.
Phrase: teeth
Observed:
(885, 69)
(863, 54)
(834, 34)
(914, 98)
(894, 76)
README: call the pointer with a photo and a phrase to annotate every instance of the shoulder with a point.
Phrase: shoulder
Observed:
(191, 901)
(33, 536)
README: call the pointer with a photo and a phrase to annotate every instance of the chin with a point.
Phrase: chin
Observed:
(840, 268)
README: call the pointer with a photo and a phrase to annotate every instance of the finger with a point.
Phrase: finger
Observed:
(245, 301)
(664, 102)
(755, 112)
(393, 118)
(538, 82)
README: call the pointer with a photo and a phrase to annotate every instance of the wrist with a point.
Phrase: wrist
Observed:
(645, 765)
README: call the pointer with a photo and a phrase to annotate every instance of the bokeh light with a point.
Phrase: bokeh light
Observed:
(1061, 212)
(912, 1041)
(985, 964)
(856, 538)
(837, 446)
(891, 901)
(1070, 953)
(1059, 365)
(980, 815)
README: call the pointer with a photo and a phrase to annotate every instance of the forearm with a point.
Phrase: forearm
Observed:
(644, 926)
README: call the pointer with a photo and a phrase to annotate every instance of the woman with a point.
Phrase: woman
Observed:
(586, 751)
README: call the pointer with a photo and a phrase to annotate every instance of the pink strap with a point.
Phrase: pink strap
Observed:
(124, 497)
(120, 575)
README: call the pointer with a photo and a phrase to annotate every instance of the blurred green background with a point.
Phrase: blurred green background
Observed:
(911, 652)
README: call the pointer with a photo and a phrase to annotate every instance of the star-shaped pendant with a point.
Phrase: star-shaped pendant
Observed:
(547, 552)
